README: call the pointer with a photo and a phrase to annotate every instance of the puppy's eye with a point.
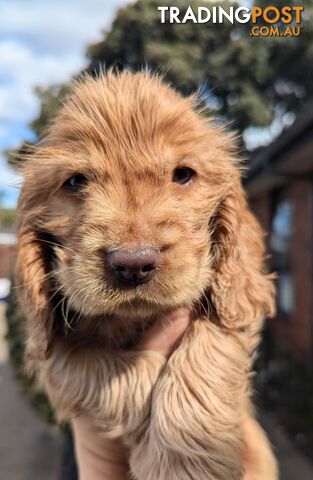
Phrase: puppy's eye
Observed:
(183, 175)
(75, 183)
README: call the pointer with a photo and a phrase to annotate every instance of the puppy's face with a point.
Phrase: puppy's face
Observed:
(123, 192)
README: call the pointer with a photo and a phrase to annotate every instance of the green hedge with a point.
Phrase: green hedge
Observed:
(7, 217)
(16, 337)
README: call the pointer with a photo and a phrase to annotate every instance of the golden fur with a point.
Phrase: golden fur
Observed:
(190, 417)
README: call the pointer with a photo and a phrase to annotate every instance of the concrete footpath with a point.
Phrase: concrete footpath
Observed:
(29, 450)
(293, 465)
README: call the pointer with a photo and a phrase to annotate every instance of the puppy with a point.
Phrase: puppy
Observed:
(132, 206)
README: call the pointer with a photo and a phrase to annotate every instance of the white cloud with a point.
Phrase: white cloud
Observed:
(21, 71)
(56, 26)
(42, 43)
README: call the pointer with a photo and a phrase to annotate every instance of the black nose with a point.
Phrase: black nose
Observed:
(133, 267)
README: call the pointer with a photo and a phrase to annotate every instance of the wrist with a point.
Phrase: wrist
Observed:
(98, 458)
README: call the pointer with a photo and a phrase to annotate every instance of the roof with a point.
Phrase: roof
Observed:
(290, 154)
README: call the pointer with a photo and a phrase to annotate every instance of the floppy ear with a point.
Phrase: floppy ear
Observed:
(33, 287)
(241, 292)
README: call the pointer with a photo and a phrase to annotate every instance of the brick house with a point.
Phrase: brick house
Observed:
(280, 189)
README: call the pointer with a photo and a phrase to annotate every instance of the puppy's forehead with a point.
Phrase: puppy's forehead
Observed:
(128, 116)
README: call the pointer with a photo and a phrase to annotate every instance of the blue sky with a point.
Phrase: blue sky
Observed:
(41, 43)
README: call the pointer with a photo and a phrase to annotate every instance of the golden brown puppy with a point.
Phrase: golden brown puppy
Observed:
(131, 207)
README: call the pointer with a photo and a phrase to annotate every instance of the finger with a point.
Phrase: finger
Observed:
(165, 334)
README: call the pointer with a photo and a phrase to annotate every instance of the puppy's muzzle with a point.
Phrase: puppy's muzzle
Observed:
(134, 267)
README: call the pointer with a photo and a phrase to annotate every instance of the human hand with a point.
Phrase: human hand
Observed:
(107, 459)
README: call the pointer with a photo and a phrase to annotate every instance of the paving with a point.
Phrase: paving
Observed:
(293, 464)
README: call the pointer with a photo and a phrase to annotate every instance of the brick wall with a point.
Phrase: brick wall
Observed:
(295, 332)
(6, 260)
(261, 207)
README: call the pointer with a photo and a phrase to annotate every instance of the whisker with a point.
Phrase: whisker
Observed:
(49, 242)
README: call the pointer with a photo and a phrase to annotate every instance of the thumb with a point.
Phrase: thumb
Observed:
(165, 333)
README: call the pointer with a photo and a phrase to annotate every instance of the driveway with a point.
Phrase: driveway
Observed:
(292, 463)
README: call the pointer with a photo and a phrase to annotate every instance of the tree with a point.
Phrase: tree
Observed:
(50, 101)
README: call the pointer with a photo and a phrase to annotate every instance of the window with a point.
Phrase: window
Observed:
(280, 243)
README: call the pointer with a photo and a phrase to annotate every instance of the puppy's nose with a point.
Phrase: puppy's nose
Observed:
(134, 267)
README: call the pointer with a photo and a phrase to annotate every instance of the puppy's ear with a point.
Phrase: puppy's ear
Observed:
(241, 292)
(33, 286)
